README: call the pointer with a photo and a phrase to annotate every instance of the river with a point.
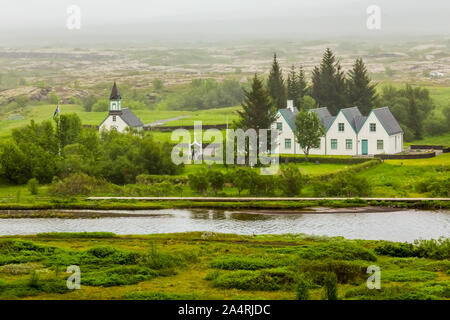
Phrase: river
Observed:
(404, 225)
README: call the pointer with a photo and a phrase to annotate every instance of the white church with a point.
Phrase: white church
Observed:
(347, 133)
(119, 119)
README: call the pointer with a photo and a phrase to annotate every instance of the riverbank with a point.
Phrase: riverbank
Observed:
(97, 214)
(207, 265)
(230, 204)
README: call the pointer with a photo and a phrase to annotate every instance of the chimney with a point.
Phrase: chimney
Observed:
(290, 105)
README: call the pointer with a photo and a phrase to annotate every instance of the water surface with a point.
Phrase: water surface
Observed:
(406, 225)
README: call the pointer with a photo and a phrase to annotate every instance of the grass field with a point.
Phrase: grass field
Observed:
(213, 266)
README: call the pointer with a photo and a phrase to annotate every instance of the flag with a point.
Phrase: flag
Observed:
(56, 111)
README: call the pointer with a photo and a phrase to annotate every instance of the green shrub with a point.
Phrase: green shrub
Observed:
(330, 290)
(291, 180)
(33, 186)
(78, 184)
(408, 275)
(345, 271)
(302, 291)
(119, 276)
(344, 185)
(336, 251)
(267, 279)
(432, 249)
(232, 262)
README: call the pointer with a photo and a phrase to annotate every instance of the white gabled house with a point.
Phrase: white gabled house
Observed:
(119, 119)
(347, 133)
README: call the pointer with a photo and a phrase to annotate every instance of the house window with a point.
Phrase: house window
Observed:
(341, 127)
(287, 143)
(114, 118)
(380, 144)
(373, 127)
(333, 144)
(280, 126)
(349, 144)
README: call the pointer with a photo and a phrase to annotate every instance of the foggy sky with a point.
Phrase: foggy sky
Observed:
(196, 19)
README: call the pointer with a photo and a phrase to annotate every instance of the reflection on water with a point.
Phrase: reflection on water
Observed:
(405, 225)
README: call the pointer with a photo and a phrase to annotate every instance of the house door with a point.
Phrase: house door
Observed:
(365, 147)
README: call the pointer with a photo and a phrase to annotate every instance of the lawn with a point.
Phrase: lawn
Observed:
(40, 113)
(205, 265)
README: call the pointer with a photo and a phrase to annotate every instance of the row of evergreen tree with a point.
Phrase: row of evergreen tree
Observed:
(330, 86)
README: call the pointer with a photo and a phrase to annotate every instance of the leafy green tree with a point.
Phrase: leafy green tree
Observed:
(13, 163)
(88, 102)
(276, 86)
(33, 186)
(328, 83)
(361, 92)
(198, 182)
(308, 131)
(242, 180)
(216, 180)
(68, 128)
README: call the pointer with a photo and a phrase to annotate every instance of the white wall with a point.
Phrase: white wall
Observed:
(380, 134)
(389, 142)
(109, 124)
(341, 137)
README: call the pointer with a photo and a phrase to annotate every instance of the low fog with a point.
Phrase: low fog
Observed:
(44, 21)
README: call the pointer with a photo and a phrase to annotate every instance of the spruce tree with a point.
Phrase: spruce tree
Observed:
(360, 91)
(302, 87)
(293, 88)
(258, 111)
(328, 83)
(276, 86)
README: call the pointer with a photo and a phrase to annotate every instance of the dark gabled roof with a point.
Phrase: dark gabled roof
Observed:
(359, 122)
(388, 120)
(325, 116)
(130, 118)
(289, 116)
(354, 117)
(115, 94)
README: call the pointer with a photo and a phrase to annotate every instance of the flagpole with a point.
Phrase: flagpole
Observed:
(59, 129)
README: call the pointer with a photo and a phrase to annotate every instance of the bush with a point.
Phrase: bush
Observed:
(232, 262)
(302, 291)
(330, 287)
(344, 185)
(77, 184)
(216, 180)
(291, 180)
(432, 249)
(33, 186)
(336, 251)
(198, 182)
(345, 271)
(267, 280)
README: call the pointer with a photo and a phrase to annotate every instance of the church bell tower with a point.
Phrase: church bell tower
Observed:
(115, 100)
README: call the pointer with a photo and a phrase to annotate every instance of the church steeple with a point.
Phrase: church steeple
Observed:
(115, 99)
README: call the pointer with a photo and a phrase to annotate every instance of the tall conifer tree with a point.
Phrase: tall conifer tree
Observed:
(276, 86)
(360, 91)
(328, 83)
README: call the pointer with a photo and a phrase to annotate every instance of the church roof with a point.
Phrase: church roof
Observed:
(115, 94)
(130, 118)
